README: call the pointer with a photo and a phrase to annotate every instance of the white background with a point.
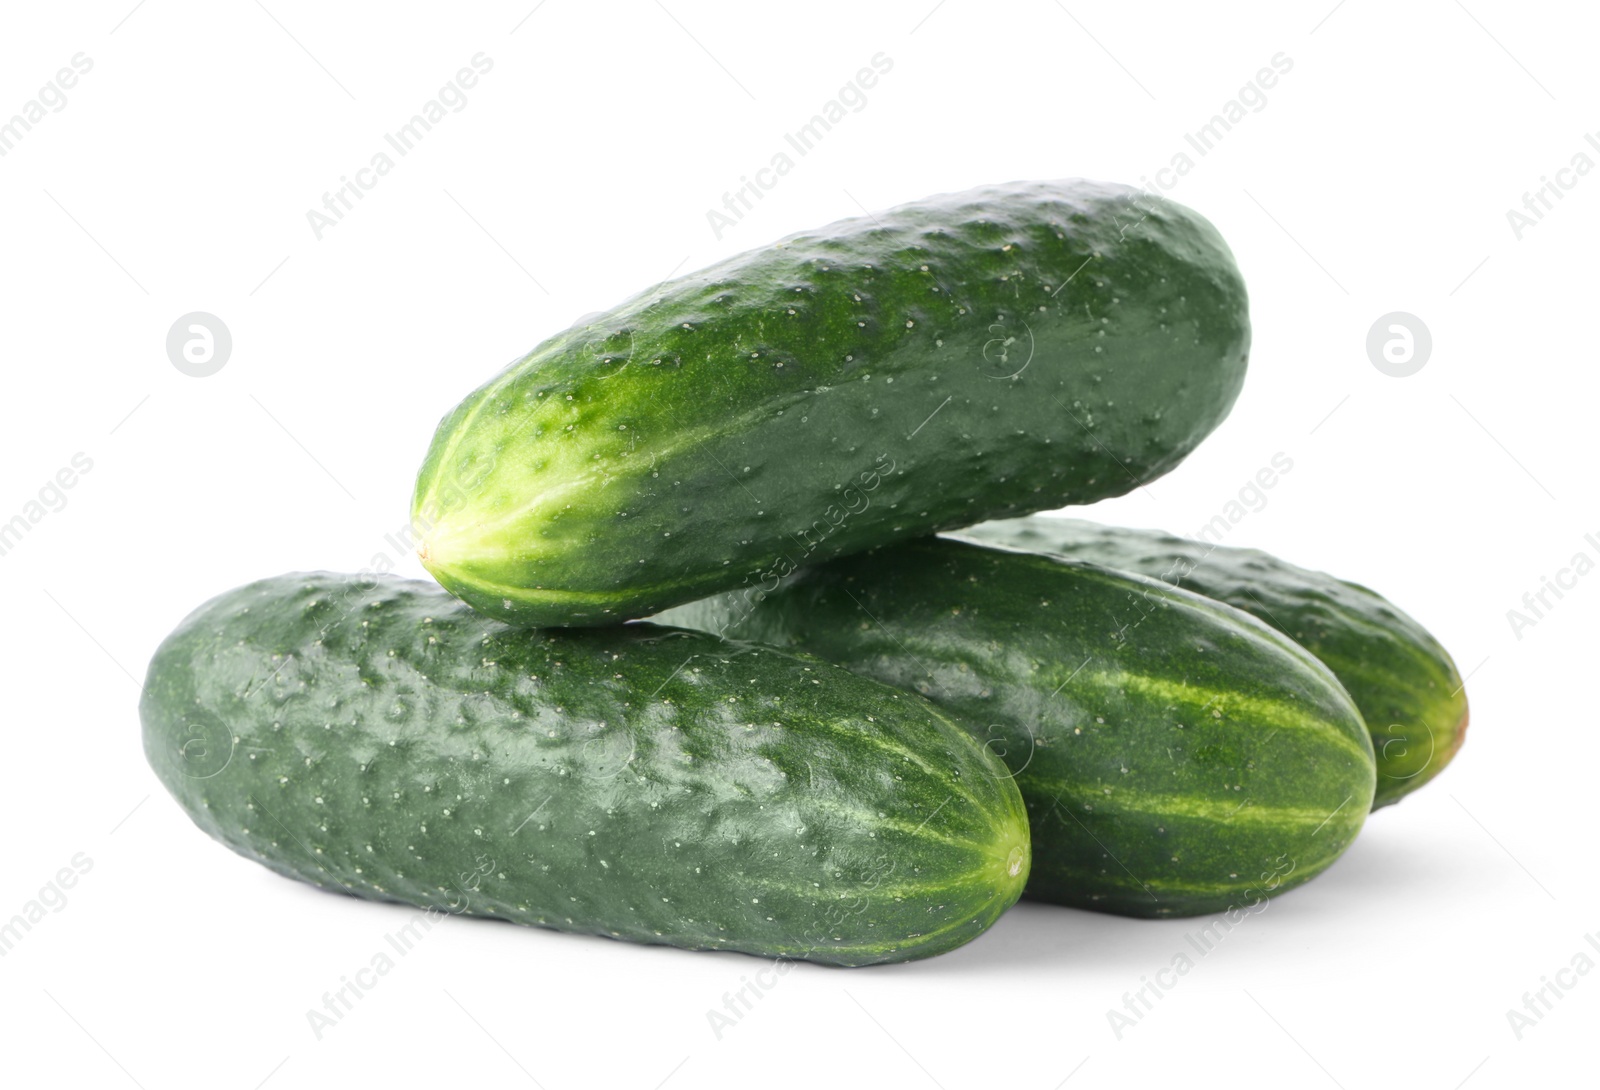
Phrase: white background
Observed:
(1376, 178)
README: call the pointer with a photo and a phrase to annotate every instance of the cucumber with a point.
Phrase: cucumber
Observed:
(1177, 757)
(380, 738)
(1405, 684)
(1005, 350)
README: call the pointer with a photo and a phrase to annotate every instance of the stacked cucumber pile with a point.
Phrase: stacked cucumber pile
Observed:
(844, 737)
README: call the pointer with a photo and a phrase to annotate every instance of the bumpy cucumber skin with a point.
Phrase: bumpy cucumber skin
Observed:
(1404, 682)
(1177, 757)
(379, 737)
(1008, 349)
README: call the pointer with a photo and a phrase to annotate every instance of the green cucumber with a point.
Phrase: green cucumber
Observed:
(1404, 683)
(379, 737)
(1009, 349)
(1177, 756)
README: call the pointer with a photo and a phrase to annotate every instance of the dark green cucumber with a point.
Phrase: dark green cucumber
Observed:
(379, 737)
(1008, 349)
(1404, 683)
(1177, 756)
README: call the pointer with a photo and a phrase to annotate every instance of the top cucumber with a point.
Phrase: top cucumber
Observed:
(1405, 684)
(1009, 349)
